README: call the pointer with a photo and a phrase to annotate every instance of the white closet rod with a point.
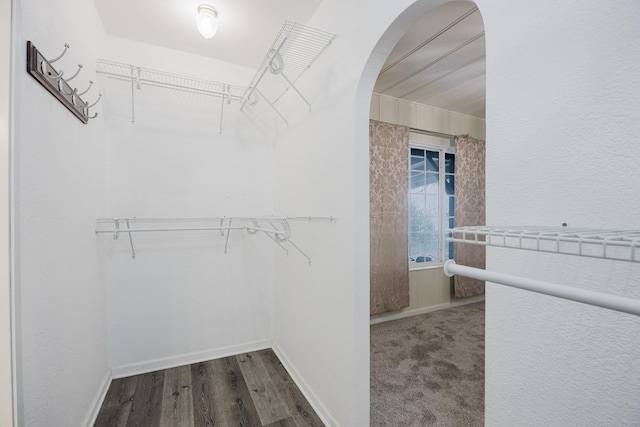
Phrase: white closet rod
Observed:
(172, 86)
(598, 299)
(243, 227)
(279, 231)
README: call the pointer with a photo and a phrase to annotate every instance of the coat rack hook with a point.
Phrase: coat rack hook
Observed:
(43, 68)
(90, 84)
(62, 89)
(97, 100)
(66, 46)
(92, 117)
(59, 76)
(77, 72)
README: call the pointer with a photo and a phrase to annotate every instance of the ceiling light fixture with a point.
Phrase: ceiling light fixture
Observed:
(207, 21)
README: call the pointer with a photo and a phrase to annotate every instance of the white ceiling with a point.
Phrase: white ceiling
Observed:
(245, 32)
(440, 61)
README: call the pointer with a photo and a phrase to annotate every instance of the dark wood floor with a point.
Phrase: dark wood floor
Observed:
(251, 389)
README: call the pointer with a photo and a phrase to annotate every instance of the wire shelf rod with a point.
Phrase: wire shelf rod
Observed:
(253, 88)
(275, 227)
(294, 49)
(598, 299)
(235, 227)
(215, 219)
(173, 86)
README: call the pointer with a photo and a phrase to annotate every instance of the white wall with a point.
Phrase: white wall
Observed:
(59, 190)
(6, 348)
(563, 72)
(183, 299)
(321, 323)
(563, 114)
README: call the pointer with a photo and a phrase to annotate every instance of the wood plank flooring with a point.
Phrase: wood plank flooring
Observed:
(249, 390)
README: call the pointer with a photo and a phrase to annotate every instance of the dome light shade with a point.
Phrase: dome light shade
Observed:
(207, 21)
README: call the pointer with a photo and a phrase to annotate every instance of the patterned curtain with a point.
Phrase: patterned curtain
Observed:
(469, 209)
(389, 182)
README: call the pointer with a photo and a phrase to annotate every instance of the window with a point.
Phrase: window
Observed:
(431, 203)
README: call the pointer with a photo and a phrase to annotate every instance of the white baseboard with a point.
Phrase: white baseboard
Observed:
(96, 403)
(422, 310)
(186, 359)
(311, 397)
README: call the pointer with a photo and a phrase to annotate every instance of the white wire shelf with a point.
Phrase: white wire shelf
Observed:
(622, 245)
(275, 228)
(139, 76)
(294, 50)
(147, 76)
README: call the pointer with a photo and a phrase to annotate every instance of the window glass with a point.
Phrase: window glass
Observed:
(432, 183)
(417, 182)
(449, 163)
(431, 204)
(417, 159)
(432, 162)
(449, 185)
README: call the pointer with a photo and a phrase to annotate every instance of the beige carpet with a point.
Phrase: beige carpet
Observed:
(428, 370)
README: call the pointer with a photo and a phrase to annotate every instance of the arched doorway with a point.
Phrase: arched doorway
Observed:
(436, 69)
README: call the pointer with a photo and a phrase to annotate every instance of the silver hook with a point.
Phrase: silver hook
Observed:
(73, 93)
(97, 100)
(92, 117)
(75, 98)
(77, 72)
(61, 88)
(66, 46)
(43, 68)
(61, 84)
(90, 84)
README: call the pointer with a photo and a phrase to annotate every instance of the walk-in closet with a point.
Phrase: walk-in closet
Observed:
(189, 227)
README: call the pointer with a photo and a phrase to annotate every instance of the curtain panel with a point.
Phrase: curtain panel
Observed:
(469, 209)
(389, 183)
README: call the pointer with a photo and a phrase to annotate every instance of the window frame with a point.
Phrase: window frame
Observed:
(442, 218)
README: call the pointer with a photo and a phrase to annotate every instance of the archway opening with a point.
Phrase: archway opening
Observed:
(431, 89)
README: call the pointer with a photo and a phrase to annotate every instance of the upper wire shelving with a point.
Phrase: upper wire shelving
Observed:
(294, 50)
(276, 228)
(622, 245)
(139, 76)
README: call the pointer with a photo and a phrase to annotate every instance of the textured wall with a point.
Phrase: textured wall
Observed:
(60, 189)
(322, 167)
(183, 298)
(562, 83)
(563, 92)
